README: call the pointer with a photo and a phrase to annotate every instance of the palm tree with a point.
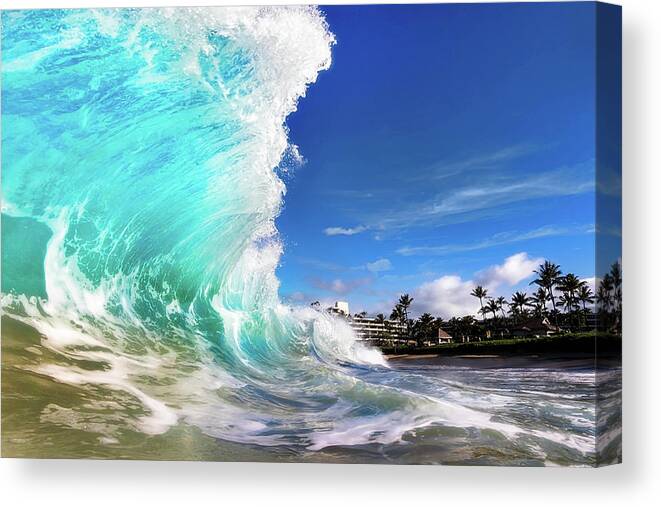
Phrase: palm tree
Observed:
(493, 307)
(502, 302)
(607, 285)
(453, 325)
(405, 302)
(548, 276)
(519, 301)
(423, 328)
(480, 293)
(539, 299)
(616, 276)
(570, 285)
(585, 296)
(605, 299)
(398, 314)
(568, 302)
(381, 319)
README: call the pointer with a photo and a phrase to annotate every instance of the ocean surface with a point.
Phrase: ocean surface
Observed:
(142, 160)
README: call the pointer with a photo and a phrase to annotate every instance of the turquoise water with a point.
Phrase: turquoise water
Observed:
(141, 160)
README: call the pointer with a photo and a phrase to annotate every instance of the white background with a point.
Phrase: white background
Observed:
(636, 482)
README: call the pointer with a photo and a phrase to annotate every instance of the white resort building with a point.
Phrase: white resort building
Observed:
(371, 329)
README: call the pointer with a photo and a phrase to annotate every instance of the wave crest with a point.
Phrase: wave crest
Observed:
(159, 140)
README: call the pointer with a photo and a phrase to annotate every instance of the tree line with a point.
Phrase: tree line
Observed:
(564, 299)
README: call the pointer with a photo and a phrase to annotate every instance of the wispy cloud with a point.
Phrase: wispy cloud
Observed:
(379, 265)
(344, 231)
(422, 200)
(487, 198)
(491, 160)
(350, 193)
(612, 230)
(502, 238)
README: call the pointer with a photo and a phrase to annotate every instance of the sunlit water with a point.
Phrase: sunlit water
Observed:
(141, 169)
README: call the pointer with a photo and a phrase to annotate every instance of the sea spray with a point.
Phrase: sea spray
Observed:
(148, 142)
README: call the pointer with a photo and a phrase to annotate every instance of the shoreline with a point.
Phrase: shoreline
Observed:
(585, 350)
(596, 344)
(489, 361)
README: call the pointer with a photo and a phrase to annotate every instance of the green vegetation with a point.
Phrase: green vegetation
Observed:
(563, 315)
(561, 305)
(604, 344)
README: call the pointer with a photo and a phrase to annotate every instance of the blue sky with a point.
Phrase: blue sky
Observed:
(447, 145)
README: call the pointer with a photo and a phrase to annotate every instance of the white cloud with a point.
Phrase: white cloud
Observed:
(344, 231)
(516, 268)
(449, 296)
(379, 265)
(446, 296)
